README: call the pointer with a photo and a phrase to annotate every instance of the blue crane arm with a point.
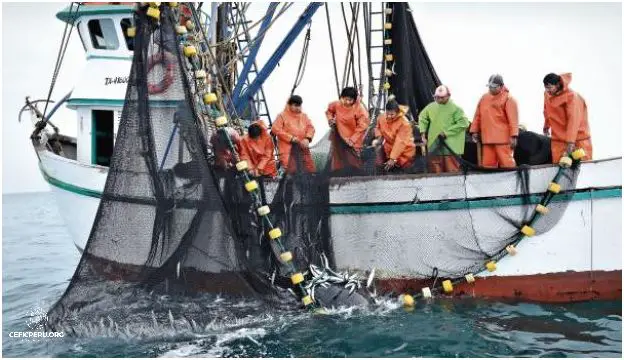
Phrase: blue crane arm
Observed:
(270, 65)
(253, 51)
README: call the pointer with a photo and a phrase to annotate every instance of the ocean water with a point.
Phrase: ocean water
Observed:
(39, 259)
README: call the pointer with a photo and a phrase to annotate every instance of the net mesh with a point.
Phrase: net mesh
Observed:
(176, 219)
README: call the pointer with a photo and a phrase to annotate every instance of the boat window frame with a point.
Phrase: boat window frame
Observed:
(128, 40)
(94, 41)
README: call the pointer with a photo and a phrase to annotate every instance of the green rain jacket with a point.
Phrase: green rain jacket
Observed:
(450, 118)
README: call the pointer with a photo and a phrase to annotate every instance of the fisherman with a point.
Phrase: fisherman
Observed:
(565, 118)
(495, 125)
(294, 128)
(258, 150)
(349, 120)
(442, 122)
(224, 157)
(395, 132)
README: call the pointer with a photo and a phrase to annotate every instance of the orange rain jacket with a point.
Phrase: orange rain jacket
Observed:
(566, 114)
(398, 138)
(288, 125)
(351, 122)
(259, 153)
(496, 118)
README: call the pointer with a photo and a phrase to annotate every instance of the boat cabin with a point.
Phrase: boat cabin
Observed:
(99, 94)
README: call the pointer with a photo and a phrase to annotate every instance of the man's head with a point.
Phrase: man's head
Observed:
(348, 96)
(254, 130)
(392, 109)
(294, 103)
(553, 84)
(495, 84)
(442, 94)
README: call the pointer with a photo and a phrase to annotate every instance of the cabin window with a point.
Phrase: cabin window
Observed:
(102, 136)
(125, 24)
(103, 34)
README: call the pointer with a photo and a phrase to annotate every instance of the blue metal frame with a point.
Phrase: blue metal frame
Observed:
(242, 100)
(253, 52)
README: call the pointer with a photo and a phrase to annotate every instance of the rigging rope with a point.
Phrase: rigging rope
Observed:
(331, 42)
(303, 62)
(60, 57)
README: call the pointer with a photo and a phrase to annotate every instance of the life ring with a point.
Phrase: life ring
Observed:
(168, 63)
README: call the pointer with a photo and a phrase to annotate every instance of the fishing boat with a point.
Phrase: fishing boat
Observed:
(384, 222)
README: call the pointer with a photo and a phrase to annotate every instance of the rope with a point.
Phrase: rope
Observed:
(60, 56)
(303, 62)
(331, 42)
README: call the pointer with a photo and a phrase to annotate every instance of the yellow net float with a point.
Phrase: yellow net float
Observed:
(389, 57)
(386, 86)
(251, 185)
(388, 11)
(565, 162)
(286, 256)
(578, 154)
(388, 26)
(388, 42)
(447, 285)
(511, 250)
(469, 278)
(275, 233)
(541, 209)
(131, 32)
(527, 230)
(426, 293)
(221, 121)
(491, 266)
(210, 98)
(189, 25)
(297, 278)
(307, 300)
(173, 4)
(190, 51)
(154, 4)
(153, 12)
(388, 72)
(264, 210)
(554, 188)
(408, 300)
(242, 165)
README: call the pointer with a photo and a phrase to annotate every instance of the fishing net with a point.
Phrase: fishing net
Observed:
(181, 216)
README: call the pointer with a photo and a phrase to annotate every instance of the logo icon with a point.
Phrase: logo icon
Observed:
(36, 318)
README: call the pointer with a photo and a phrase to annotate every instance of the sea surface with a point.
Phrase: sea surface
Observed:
(39, 259)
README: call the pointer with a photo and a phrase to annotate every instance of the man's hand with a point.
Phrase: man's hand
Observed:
(442, 135)
(350, 143)
(254, 172)
(475, 137)
(294, 140)
(514, 142)
(570, 147)
(546, 131)
(376, 142)
(389, 164)
(332, 122)
(305, 143)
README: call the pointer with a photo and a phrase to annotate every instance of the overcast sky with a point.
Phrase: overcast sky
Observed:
(466, 43)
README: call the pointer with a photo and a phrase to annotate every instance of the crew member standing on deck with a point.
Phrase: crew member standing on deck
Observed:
(565, 118)
(293, 128)
(348, 120)
(395, 132)
(442, 121)
(495, 125)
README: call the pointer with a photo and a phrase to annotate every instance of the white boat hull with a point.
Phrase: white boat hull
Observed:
(372, 226)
